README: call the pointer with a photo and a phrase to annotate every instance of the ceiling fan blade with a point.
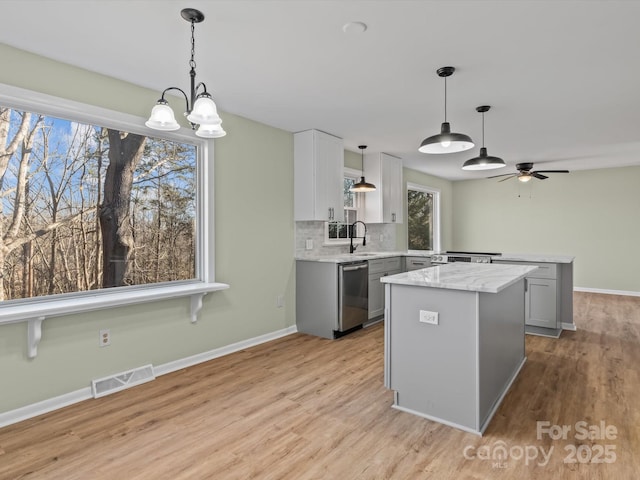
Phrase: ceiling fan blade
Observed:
(507, 178)
(503, 175)
(538, 176)
(552, 171)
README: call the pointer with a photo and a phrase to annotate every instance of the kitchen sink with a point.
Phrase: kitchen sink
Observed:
(364, 254)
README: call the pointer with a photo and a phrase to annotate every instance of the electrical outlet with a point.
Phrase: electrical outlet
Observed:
(309, 244)
(280, 301)
(381, 237)
(105, 337)
(428, 317)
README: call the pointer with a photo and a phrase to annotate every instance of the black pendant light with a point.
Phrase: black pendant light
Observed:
(483, 161)
(445, 141)
(362, 185)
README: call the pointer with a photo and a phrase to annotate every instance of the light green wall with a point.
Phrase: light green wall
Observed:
(446, 207)
(352, 160)
(254, 231)
(592, 214)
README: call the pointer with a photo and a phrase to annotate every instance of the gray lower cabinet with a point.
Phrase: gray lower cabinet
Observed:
(546, 302)
(416, 263)
(317, 298)
(377, 269)
(541, 305)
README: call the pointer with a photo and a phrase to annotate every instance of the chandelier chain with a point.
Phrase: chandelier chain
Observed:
(192, 62)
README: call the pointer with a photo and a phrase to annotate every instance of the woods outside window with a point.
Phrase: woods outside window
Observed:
(423, 218)
(91, 205)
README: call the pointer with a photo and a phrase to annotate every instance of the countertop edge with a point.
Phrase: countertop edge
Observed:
(413, 279)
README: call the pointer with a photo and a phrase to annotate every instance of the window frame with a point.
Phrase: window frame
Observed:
(35, 310)
(436, 216)
(359, 209)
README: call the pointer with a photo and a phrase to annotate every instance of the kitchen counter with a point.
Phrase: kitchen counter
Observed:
(454, 340)
(534, 257)
(477, 277)
(358, 256)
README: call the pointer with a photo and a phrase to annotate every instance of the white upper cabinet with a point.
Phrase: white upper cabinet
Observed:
(385, 205)
(318, 176)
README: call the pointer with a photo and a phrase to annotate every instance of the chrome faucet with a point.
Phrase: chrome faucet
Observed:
(352, 247)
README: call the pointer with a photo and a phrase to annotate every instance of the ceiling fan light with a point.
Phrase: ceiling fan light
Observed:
(446, 142)
(524, 177)
(483, 162)
(162, 117)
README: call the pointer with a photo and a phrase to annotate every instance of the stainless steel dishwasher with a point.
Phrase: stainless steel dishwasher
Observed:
(353, 295)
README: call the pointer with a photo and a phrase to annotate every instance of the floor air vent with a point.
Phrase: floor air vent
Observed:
(120, 381)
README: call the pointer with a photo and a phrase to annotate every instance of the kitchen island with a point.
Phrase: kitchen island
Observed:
(454, 340)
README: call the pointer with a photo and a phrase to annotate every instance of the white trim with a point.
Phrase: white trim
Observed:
(568, 326)
(39, 408)
(45, 406)
(226, 350)
(607, 292)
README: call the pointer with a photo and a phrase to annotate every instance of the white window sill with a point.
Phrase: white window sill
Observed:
(35, 312)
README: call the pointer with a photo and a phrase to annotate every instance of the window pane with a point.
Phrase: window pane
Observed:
(420, 220)
(86, 207)
(349, 197)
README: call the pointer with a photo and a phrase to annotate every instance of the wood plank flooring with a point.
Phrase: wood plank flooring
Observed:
(307, 408)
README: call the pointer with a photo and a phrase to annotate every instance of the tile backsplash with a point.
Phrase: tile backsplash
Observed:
(381, 237)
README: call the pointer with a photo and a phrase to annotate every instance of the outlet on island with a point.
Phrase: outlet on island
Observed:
(428, 317)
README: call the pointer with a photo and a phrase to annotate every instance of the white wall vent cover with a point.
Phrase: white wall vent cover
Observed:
(104, 386)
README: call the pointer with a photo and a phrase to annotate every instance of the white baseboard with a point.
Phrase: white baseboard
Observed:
(51, 404)
(219, 352)
(569, 326)
(45, 406)
(607, 292)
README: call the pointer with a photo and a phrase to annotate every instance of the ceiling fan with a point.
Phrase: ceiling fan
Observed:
(525, 174)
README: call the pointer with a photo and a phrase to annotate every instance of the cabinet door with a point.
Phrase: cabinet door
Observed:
(318, 176)
(384, 205)
(376, 295)
(416, 263)
(392, 204)
(540, 302)
(329, 156)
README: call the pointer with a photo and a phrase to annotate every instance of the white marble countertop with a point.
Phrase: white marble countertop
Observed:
(472, 277)
(358, 256)
(534, 257)
(364, 255)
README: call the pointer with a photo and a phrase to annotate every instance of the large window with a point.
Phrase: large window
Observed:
(338, 232)
(87, 206)
(423, 218)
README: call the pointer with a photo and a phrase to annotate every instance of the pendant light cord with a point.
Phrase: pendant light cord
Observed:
(445, 99)
(482, 129)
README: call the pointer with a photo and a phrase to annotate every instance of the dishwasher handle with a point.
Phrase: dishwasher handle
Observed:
(351, 268)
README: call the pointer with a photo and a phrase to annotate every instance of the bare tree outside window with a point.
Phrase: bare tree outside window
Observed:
(420, 219)
(85, 207)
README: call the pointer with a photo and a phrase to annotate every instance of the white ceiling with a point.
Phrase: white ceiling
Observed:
(562, 77)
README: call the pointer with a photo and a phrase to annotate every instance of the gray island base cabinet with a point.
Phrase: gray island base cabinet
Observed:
(457, 371)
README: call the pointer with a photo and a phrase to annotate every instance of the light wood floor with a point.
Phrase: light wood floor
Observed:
(308, 408)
